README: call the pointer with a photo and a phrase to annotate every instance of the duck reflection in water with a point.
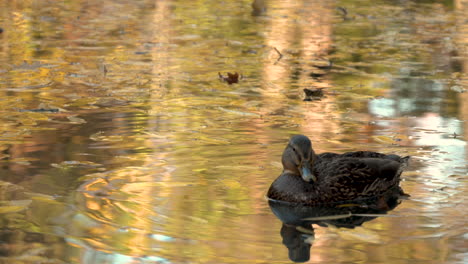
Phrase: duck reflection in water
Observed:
(343, 190)
(297, 230)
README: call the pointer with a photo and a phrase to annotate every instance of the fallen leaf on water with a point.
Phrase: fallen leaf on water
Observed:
(230, 78)
(313, 94)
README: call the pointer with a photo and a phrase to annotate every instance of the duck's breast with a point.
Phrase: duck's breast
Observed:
(291, 188)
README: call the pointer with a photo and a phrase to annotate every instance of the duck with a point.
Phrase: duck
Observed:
(331, 178)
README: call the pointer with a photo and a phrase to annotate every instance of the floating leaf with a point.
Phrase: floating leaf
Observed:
(311, 94)
(230, 78)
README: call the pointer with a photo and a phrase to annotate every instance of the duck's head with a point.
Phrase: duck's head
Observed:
(298, 158)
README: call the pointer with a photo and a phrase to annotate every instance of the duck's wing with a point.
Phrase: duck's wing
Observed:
(364, 154)
(371, 154)
(354, 178)
(328, 155)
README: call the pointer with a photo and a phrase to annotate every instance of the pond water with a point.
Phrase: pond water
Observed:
(119, 143)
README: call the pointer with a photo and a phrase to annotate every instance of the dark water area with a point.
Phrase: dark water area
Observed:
(120, 143)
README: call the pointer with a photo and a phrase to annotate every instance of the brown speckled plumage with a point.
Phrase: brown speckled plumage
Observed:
(337, 178)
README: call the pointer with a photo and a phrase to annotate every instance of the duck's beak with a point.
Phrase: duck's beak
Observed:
(306, 173)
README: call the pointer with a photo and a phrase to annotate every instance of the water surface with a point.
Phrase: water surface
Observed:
(119, 143)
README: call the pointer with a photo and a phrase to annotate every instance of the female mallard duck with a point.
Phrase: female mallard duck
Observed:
(330, 178)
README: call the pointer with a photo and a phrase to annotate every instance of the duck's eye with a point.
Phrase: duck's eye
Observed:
(294, 149)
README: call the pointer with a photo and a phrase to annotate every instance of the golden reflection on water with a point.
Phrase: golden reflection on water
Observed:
(118, 143)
